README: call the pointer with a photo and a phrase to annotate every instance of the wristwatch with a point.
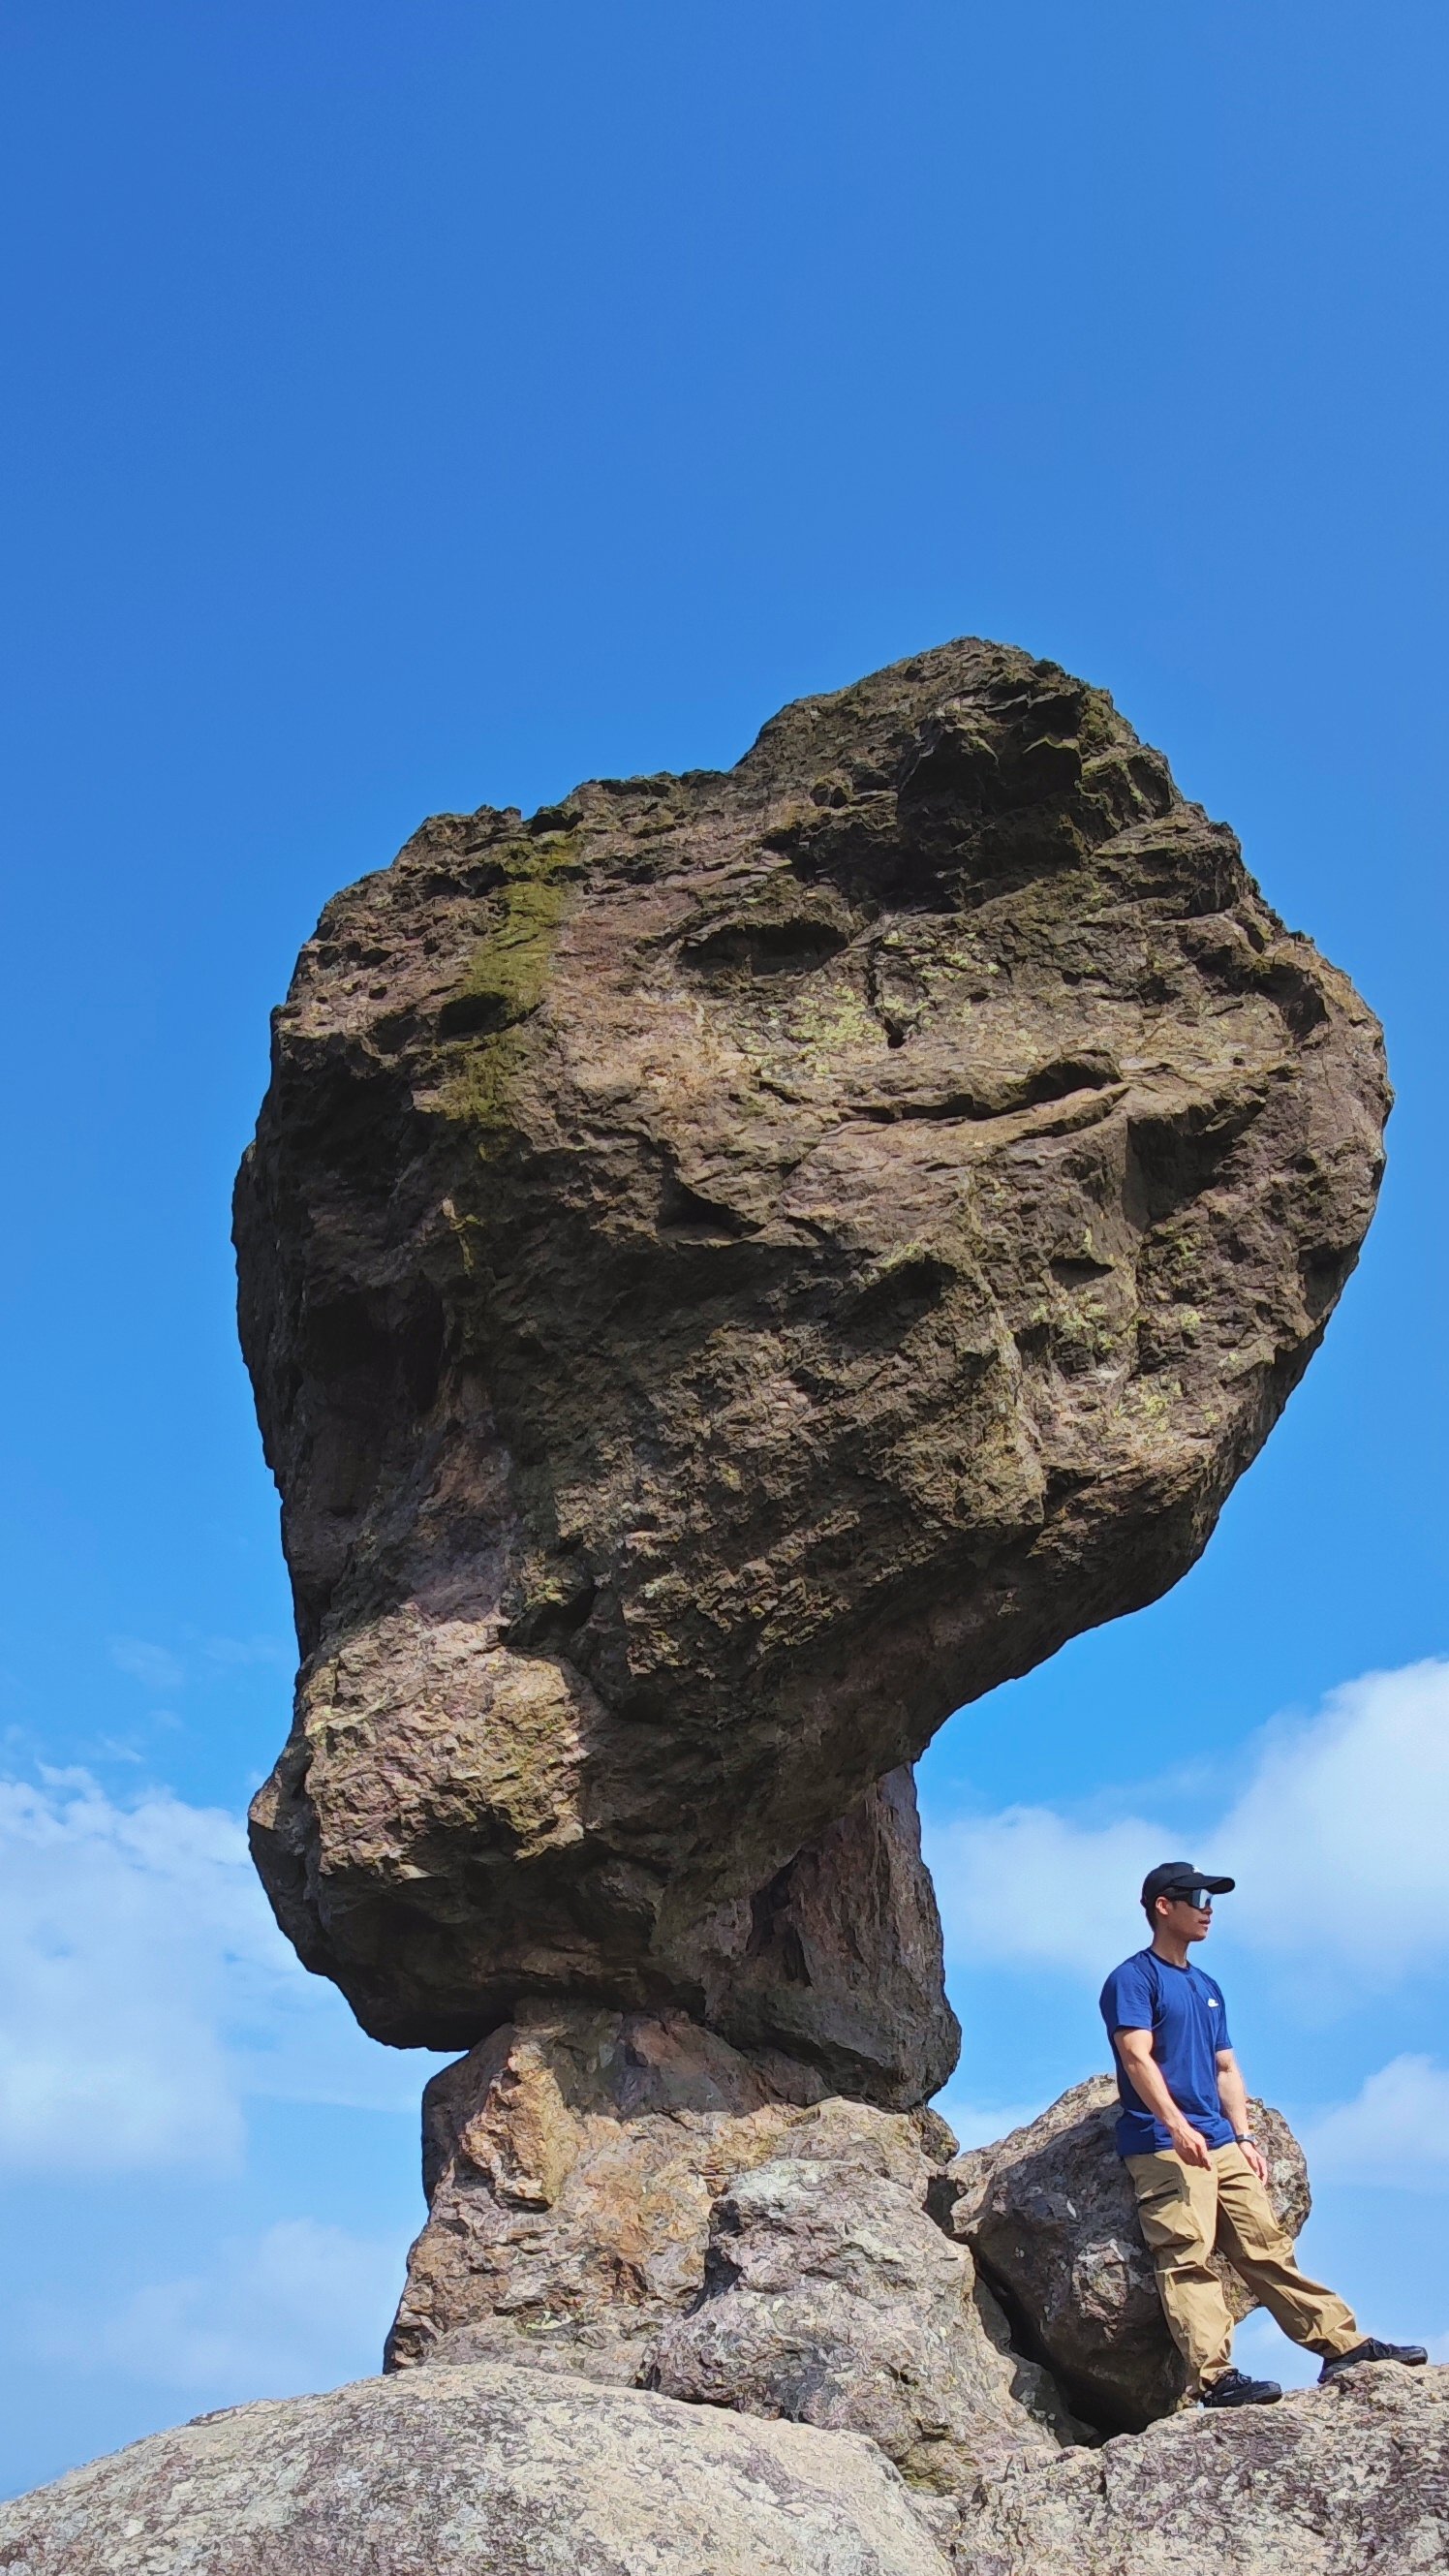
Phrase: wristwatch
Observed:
(1244, 2137)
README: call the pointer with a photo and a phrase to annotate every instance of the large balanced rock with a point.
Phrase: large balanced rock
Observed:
(1050, 2216)
(1342, 2481)
(733, 1266)
(475, 2472)
(628, 2198)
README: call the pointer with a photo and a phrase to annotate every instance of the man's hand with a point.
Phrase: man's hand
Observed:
(1190, 2144)
(1256, 2157)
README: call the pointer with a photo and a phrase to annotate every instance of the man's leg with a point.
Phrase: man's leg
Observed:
(1262, 2255)
(1177, 2206)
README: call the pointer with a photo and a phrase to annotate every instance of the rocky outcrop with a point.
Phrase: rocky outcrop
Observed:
(627, 2198)
(733, 1266)
(1050, 2216)
(484, 2471)
(476, 2472)
(1339, 2481)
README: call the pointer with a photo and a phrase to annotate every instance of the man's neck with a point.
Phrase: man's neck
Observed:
(1169, 1947)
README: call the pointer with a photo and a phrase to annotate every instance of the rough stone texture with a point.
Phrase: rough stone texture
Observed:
(838, 1957)
(475, 2472)
(1350, 2480)
(1050, 2215)
(832, 2298)
(629, 2198)
(570, 2164)
(733, 1267)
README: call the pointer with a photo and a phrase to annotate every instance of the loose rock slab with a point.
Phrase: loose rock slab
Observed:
(732, 1267)
(1050, 2215)
(475, 2472)
(1350, 2480)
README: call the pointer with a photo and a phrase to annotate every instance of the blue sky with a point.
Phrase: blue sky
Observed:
(412, 406)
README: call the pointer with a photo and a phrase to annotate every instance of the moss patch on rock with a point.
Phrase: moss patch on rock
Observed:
(506, 978)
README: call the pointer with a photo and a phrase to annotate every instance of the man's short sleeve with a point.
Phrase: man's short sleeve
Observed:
(1220, 2017)
(1127, 1998)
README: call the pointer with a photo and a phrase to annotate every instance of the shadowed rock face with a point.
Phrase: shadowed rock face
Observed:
(731, 1268)
(1051, 2217)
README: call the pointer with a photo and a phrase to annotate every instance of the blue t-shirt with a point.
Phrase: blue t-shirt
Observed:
(1188, 2019)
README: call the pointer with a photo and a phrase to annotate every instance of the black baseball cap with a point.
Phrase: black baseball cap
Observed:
(1177, 1877)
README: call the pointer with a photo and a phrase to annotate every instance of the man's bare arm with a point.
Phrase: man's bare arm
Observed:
(1134, 2047)
(1233, 2095)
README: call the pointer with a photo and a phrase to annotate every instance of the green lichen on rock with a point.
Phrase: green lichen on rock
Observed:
(506, 978)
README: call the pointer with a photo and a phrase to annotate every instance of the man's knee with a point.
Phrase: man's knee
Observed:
(1268, 2244)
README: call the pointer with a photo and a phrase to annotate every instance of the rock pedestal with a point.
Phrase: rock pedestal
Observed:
(627, 2198)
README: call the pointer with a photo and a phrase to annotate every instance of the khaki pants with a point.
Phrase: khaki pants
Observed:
(1188, 2214)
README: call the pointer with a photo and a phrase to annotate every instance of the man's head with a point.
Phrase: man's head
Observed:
(1178, 1898)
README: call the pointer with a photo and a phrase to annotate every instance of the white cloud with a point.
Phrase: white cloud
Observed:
(156, 1666)
(301, 2307)
(1394, 2131)
(1336, 1842)
(1339, 1838)
(1029, 1887)
(147, 1989)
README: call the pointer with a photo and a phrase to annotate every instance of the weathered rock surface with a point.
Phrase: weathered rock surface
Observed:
(838, 1957)
(832, 2298)
(571, 2162)
(1348, 2480)
(1050, 2216)
(629, 2198)
(731, 1268)
(475, 2472)
(483, 2471)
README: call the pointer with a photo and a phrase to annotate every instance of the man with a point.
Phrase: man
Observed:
(1198, 2171)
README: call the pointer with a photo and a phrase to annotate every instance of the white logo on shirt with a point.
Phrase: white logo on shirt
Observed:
(1212, 2003)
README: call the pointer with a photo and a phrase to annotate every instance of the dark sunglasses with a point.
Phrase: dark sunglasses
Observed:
(1201, 1897)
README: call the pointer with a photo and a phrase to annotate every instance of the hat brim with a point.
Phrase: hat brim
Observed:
(1218, 1886)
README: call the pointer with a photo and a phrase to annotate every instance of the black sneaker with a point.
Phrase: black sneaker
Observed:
(1234, 2389)
(1412, 2355)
